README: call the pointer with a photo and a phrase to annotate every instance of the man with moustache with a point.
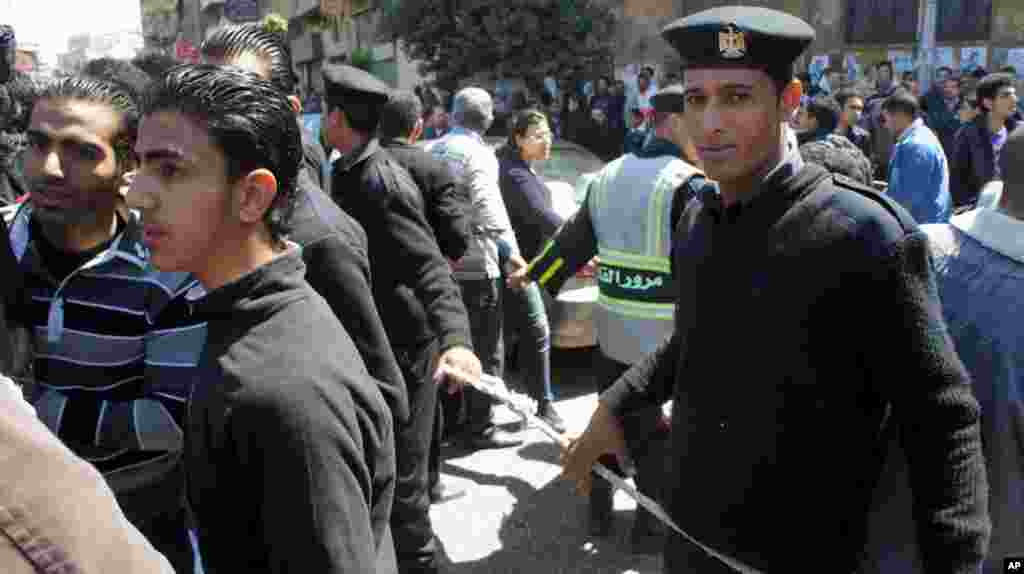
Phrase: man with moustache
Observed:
(112, 357)
(806, 323)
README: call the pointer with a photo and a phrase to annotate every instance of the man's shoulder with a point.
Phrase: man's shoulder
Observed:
(869, 215)
(317, 217)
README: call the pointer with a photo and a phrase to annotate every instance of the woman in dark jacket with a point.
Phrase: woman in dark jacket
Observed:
(534, 222)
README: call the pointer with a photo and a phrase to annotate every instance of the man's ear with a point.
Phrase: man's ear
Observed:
(255, 194)
(296, 104)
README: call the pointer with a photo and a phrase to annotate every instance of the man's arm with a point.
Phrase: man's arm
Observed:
(340, 273)
(915, 364)
(570, 248)
(411, 241)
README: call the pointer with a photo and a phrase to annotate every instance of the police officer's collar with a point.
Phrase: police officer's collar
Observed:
(657, 147)
(358, 155)
(775, 186)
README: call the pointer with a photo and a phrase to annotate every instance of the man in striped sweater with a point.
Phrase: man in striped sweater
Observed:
(112, 368)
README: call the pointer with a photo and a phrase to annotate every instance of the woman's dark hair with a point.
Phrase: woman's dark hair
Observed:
(113, 95)
(248, 118)
(989, 86)
(520, 124)
(231, 42)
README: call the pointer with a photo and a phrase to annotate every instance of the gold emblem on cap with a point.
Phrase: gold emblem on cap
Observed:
(732, 43)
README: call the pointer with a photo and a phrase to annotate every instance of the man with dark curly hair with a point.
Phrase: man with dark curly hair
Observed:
(838, 155)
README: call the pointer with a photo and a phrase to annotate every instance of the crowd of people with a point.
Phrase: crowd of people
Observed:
(224, 340)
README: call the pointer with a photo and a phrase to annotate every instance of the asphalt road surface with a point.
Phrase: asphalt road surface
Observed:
(517, 516)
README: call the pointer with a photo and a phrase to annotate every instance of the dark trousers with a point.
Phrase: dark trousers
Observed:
(483, 303)
(525, 315)
(416, 547)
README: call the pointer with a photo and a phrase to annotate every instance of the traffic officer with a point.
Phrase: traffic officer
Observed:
(806, 322)
(413, 287)
(626, 219)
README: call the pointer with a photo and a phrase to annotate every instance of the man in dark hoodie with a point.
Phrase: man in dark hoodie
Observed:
(289, 443)
(975, 159)
(334, 246)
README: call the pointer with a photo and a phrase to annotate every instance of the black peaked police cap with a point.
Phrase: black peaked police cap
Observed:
(739, 37)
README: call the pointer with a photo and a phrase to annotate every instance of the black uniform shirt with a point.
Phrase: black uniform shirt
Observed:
(416, 294)
(804, 318)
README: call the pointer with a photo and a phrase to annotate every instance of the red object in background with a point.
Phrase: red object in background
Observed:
(186, 52)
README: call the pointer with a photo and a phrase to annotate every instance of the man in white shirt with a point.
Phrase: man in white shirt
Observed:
(478, 272)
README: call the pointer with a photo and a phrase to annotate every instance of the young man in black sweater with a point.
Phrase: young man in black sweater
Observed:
(806, 326)
(289, 443)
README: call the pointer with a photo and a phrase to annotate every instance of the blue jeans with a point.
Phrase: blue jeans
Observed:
(482, 298)
(527, 317)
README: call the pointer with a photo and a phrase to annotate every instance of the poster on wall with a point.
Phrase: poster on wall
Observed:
(902, 61)
(972, 58)
(944, 57)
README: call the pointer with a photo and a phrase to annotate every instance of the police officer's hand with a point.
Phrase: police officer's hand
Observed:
(515, 269)
(458, 366)
(603, 436)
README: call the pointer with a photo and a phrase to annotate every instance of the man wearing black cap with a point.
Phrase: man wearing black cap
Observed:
(636, 299)
(418, 299)
(806, 326)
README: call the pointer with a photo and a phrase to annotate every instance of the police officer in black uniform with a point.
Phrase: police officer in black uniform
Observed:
(807, 326)
(418, 299)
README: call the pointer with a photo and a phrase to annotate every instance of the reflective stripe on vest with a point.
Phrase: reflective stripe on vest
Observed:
(629, 203)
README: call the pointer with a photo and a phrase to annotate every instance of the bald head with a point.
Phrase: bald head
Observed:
(1011, 164)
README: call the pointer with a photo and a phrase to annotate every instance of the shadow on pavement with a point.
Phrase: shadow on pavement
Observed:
(546, 532)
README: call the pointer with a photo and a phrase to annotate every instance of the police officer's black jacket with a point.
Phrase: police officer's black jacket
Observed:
(413, 286)
(446, 202)
(338, 267)
(807, 320)
(289, 444)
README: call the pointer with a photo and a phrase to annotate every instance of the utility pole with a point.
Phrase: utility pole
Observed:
(927, 22)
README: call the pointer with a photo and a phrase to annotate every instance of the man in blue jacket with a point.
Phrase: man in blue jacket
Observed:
(918, 172)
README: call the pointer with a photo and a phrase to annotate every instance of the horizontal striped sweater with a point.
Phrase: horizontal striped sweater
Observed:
(115, 351)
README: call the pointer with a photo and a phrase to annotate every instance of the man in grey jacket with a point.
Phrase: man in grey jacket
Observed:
(473, 162)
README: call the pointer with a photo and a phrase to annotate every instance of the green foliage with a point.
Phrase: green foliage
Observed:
(456, 39)
(275, 22)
